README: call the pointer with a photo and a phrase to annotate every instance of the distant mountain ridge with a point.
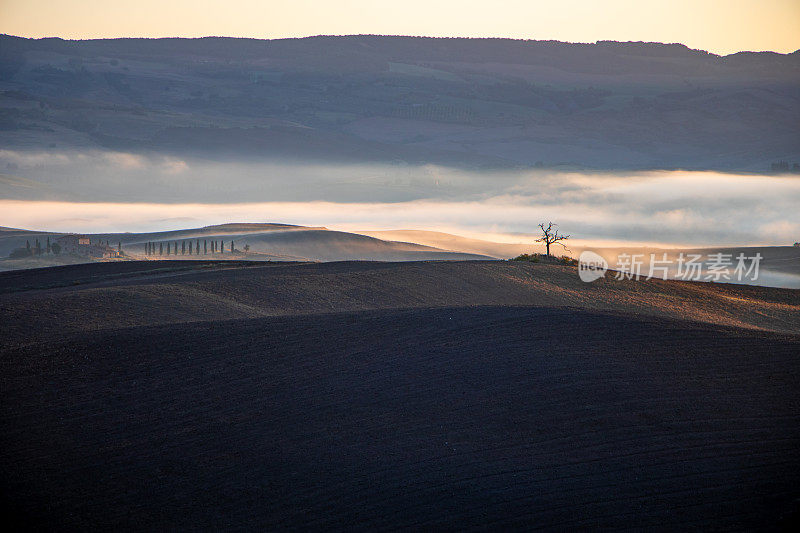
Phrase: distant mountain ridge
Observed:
(473, 103)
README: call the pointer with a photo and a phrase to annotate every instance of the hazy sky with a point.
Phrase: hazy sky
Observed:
(720, 26)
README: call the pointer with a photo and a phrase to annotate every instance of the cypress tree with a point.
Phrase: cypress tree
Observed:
(28, 245)
(231, 246)
(168, 248)
(175, 248)
(190, 247)
(119, 246)
(161, 248)
(183, 247)
(205, 247)
(48, 244)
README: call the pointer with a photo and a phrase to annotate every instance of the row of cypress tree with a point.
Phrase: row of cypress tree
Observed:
(193, 248)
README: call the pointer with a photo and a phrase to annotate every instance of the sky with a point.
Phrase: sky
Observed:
(718, 26)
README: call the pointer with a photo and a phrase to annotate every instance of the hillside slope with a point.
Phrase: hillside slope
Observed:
(175, 395)
(94, 297)
(265, 242)
(472, 103)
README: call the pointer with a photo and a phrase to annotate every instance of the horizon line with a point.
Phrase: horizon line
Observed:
(408, 36)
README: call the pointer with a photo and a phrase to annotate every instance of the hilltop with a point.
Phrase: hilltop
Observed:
(253, 241)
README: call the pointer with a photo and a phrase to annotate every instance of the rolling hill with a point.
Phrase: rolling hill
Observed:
(779, 265)
(456, 395)
(266, 242)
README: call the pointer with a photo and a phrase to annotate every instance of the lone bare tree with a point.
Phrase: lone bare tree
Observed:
(550, 236)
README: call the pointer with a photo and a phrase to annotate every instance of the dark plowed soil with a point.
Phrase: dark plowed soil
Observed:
(40, 304)
(469, 416)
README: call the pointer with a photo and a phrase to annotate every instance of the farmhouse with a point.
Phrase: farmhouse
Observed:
(83, 245)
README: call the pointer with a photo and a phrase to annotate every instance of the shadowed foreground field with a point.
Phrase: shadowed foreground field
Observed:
(495, 399)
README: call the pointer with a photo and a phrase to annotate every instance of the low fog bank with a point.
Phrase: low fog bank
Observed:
(113, 176)
(766, 266)
(516, 221)
(658, 210)
(104, 191)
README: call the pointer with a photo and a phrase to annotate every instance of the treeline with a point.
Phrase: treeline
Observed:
(188, 247)
(36, 249)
